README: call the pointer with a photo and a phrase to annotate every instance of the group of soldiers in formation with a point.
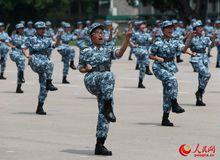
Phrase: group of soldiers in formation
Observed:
(163, 44)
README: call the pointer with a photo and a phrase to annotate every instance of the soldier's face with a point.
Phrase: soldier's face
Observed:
(168, 31)
(2, 29)
(97, 36)
(68, 29)
(142, 27)
(40, 31)
(199, 30)
(21, 30)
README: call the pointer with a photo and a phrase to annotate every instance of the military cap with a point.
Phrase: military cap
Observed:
(48, 23)
(2, 24)
(39, 24)
(166, 23)
(94, 26)
(197, 24)
(29, 23)
(19, 25)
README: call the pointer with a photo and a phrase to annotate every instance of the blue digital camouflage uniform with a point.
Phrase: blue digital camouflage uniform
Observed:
(209, 30)
(178, 34)
(85, 37)
(4, 38)
(165, 71)
(16, 55)
(200, 60)
(29, 32)
(40, 63)
(142, 40)
(100, 84)
(106, 37)
(80, 41)
(67, 53)
(49, 33)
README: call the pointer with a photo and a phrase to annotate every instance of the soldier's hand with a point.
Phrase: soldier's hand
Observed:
(29, 57)
(88, 67)
(160, 59)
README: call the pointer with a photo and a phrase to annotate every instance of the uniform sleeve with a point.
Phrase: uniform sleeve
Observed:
(26, 44)
(208, 41)
(154, 49)
(82, 62)
(180, 45)
(113, 50)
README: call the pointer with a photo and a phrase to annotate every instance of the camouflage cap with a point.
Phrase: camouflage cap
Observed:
(19, 25)
(39, 24)
(166, 23)
(29, 23)
(94, 26)
(197, 24)
(48, 23)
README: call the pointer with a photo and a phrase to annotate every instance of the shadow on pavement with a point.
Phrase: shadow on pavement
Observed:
(79, 151)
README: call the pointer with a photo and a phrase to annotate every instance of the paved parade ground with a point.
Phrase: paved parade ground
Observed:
(68, 131)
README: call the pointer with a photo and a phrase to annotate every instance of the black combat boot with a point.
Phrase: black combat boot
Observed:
(140, 84)
(2, 76)
(72, 65)
(100, 148)
(50, 86)
(175, 106)
(137, 67)
(165, 120)
(65, 80)
(217, 65)
(40, 109)
(129, 58)
(21, 76)
(148, 72)
(108, 111)
(178, 59)
(199, 95)
(19, 90)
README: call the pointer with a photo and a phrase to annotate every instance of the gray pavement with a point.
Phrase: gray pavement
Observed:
(68, 131)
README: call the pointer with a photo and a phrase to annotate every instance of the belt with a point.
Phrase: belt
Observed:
(168, 59)
(38, 53)
(101, 68)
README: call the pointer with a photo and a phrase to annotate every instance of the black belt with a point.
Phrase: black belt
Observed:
(168, 59)
(100, 68)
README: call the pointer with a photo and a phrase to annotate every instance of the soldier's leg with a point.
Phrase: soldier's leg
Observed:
(49, 71)
(3, 65)
(166, 108)
(71, 57)
(218, 58)
(102, 129)
(65, 70)
(42, 94)
(142, 70)
(107, 82)
(148, 71)
(20, 62)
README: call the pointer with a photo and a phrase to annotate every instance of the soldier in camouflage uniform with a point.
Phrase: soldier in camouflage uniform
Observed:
(29, 31)
(49, 33)
(17, 56)
(200, 62)
(78, 32)
(209, 30)
(39, 62)
(141, 42)
(163, 52)
(95, 61)
(217, 25)
(67, 53)
(4, 44)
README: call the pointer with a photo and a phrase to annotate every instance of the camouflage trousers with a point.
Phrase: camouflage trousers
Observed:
(17, 56)
(101, 84)
(142, 59)
(170, 86)
(201, 66)
(44, 68)
(3, 57)
(68, 54)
